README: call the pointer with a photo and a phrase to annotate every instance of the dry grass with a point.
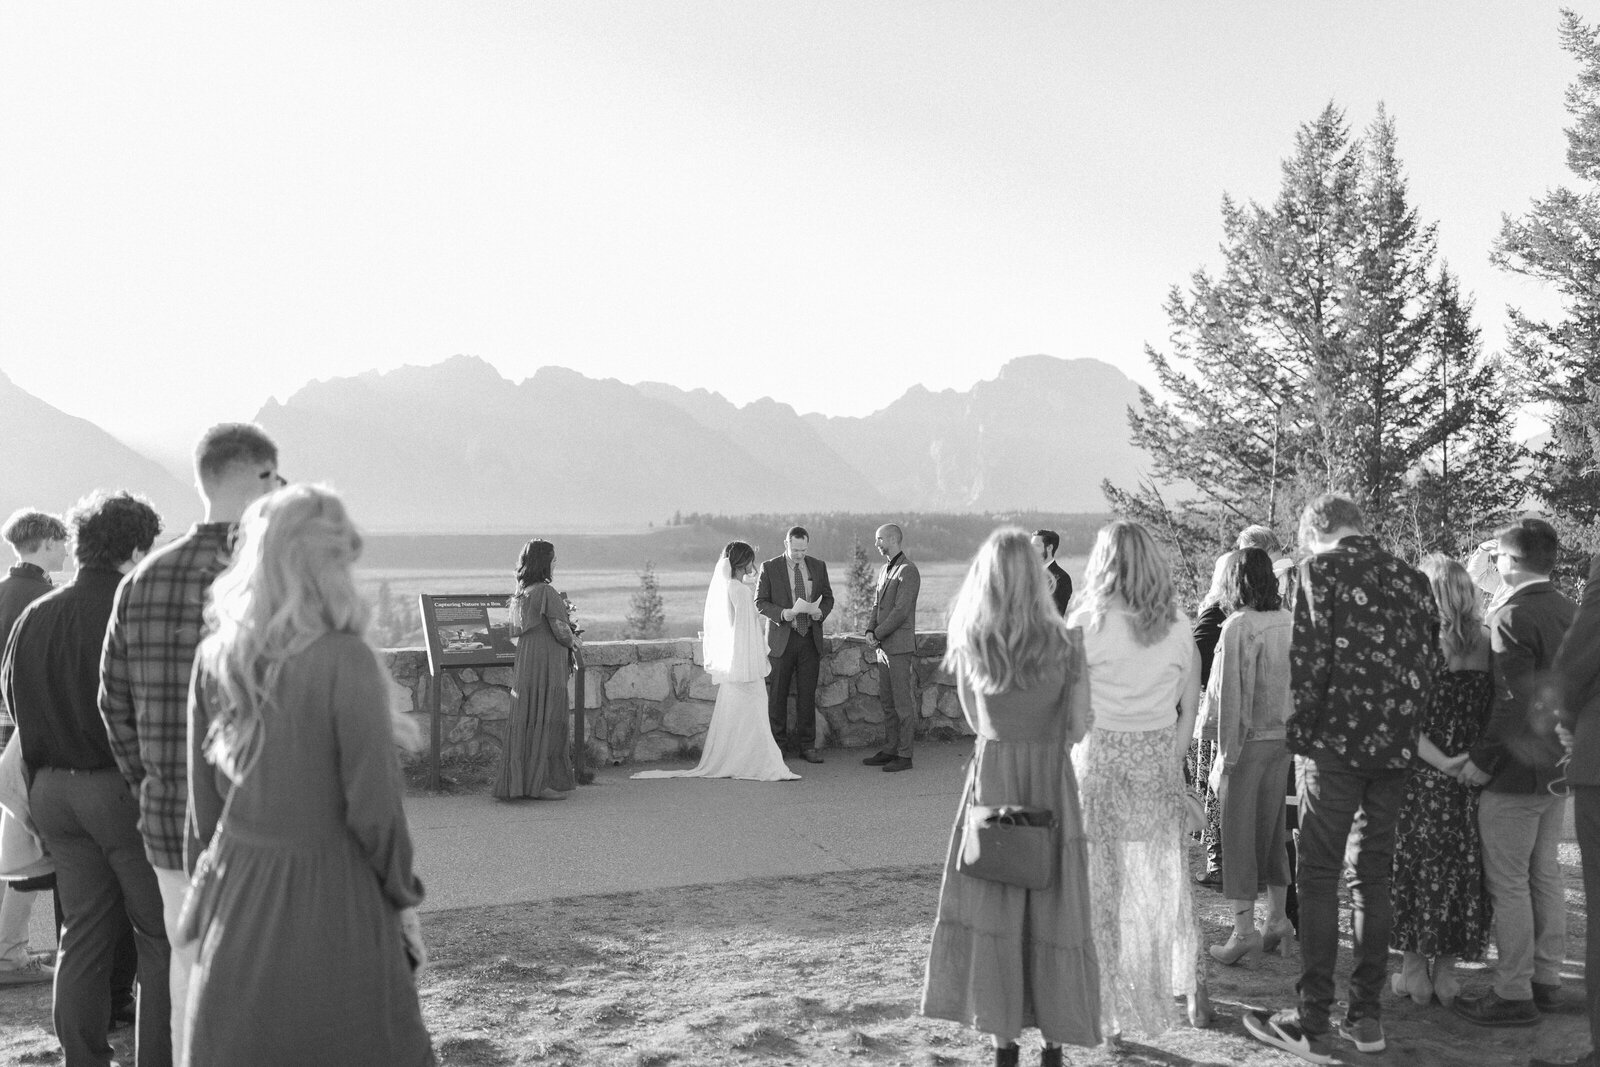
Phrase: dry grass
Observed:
(817, 970)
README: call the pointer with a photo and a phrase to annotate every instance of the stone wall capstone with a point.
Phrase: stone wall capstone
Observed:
(652, 700)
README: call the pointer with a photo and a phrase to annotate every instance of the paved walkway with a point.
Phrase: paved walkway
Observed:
(620, 835)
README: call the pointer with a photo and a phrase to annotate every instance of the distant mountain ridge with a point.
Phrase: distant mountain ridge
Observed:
(458, 447)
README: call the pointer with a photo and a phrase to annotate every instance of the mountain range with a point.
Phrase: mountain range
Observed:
(457, 447)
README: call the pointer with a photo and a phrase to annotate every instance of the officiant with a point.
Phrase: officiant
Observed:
(794, 595)
(892, 636)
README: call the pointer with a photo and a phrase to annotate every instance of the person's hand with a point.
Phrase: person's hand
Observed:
(1453, 765)
(1470, 774)
(814, 610)
(787, 615)
(1564, 735)
(411, 934)
(872, 639)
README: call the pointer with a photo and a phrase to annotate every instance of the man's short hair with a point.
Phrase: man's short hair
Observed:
(1050, 539)
(111, 527)
(28, 529)
(797, 531)
(1261, 537)
(1533, 541)
(228, 444)
(1330, 512)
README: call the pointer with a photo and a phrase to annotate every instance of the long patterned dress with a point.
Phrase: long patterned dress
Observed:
(537, 753)
(1441, 905)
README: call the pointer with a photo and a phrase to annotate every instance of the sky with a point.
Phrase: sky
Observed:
(204, 205)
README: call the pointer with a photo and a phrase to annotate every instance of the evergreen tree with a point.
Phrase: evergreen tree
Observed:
(1317, 359)
(862, 586)
(647, 611)
(1557, 360)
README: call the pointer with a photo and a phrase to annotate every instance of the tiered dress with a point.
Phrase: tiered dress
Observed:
(1004, 957)
(538, 752)
(1441, 905)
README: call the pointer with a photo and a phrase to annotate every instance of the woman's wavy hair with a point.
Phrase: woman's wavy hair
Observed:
(290, 583)
(1126, 564)
(1218, 593)
(740, 555)
(535, 563)
(1004, 631)
(1460, 609)
(1251, 582)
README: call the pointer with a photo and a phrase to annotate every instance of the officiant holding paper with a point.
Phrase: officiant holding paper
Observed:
(794, 595)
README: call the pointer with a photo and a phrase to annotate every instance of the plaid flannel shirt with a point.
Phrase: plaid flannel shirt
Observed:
(144, 679)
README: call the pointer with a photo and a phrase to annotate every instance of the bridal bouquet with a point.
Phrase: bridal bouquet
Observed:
(572, 613)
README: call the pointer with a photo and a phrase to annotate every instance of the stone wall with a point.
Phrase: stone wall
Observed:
(652, 700)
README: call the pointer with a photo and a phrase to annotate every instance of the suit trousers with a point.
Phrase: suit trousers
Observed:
(89, 822)
(797, 666)
(1521, 832)
(1333, 799)
(897, 694)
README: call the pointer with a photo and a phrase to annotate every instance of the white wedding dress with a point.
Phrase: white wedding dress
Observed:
(739, 742)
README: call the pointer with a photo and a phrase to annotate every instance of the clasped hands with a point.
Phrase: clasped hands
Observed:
(1462, 769)
(807, 607)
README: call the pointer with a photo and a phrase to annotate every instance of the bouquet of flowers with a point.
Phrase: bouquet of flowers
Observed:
(572, 613)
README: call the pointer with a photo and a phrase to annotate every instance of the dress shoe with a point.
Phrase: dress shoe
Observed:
(1547, 996)
(810, 756)
(899, 763)
(1237, 947)
(878, 759)
(1493, 1010)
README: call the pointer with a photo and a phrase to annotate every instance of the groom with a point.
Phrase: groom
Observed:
(795, 596)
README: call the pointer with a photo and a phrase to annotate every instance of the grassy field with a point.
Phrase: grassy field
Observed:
(602, 596)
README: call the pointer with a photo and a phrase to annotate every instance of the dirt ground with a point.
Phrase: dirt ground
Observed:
(817, 970)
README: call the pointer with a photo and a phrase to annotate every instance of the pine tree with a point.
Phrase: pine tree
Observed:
(1557, 360)
(647, 611)
(862, 584)
(1316, 360)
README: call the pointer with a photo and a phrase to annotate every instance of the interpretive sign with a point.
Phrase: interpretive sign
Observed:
(467, 630)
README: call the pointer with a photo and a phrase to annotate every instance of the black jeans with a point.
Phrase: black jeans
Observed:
(1332, 799)
(1586, 820)
(799, 664)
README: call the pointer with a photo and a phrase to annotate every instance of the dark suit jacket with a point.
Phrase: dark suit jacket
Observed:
(1061, 592)
(1576, 675)
(1518, 747)
(775, 591)
(894, 613)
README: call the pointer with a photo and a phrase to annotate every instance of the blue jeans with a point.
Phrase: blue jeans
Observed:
(1333, 798)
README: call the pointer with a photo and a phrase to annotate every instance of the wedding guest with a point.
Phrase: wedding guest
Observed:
(1144, 682)
(1517, 761)
(794, 594)
(149, 655)
(39, 542)
(892, 636)
(1486, 575)
(1441, 907)
(304, 903)
(1576, 678)
(78, 801)
(1047, 543)
(536, 760)
(1249, 697)
(1005, 957)
(1214, 608)
(1365, 643)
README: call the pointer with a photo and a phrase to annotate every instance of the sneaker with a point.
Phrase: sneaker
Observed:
(1491, 1009)
(30, 973)
(1366, 1034)
(1283, 1031)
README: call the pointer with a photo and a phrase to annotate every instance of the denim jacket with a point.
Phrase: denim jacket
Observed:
(1248, 692)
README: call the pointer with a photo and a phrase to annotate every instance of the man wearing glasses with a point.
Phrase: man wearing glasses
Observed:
(1518, 761)
(149, 652)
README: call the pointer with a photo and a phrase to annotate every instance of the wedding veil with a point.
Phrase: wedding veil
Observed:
(717, 622)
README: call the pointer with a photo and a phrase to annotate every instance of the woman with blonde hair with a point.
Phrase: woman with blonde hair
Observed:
(1006, 957)
(304, 903)
(1144, 683)
(1441, 905)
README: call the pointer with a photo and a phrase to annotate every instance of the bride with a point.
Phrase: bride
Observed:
(739, 742)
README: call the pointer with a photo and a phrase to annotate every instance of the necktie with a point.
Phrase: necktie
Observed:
(802, 623)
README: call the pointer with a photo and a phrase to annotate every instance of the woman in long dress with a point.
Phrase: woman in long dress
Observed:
(1144, 685)
(1208, 622)
(536, 759)
(304, 905)
(1005, 957)
(739, 742)
(1441, 905)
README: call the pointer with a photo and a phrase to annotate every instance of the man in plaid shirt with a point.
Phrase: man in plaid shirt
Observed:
(149, 651)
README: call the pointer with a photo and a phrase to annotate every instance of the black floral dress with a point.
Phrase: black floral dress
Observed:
(1441, 906)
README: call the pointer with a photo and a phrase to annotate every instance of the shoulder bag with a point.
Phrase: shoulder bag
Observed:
(1010, 844)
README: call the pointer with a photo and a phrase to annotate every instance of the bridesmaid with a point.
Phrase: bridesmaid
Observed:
(536, 760)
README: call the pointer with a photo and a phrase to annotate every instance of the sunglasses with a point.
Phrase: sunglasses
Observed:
(273, 479)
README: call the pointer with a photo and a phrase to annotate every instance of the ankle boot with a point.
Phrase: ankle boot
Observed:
(1412, 979)
(1446, 985)
(1007, 1056)
(1050, 1056)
